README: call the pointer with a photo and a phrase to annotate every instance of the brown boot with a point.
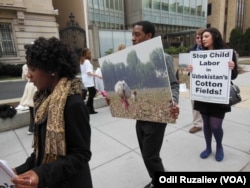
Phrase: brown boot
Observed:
(195, 129)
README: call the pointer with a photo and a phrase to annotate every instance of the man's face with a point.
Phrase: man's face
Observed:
(198, 40)
(138, 35)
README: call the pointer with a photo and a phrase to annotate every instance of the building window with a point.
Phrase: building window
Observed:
(209, 9)
(7, 47)
(156, 5)
(164, 6)
(147, 3)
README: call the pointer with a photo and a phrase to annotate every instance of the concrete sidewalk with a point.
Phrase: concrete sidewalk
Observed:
(117, 162)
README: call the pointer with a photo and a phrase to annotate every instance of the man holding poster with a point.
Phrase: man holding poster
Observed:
(150, 134)
(211, 74)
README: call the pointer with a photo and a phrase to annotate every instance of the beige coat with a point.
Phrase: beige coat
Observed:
(29, 89)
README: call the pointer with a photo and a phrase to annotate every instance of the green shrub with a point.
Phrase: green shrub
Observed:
(12, 70)
(240, 41)
(175, 50)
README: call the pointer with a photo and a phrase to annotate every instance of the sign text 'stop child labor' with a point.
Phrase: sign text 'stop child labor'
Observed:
(211, 76)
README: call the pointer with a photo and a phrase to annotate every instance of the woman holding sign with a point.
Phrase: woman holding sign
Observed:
(214, 113)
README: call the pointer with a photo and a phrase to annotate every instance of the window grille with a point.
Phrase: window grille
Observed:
(7, 47)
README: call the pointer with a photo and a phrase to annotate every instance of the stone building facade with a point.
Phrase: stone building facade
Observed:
(21, 22)
(226, 15)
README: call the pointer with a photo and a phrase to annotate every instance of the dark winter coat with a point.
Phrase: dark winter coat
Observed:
(71, 170)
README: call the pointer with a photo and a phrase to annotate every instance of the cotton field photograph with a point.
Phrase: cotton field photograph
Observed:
(137, 83)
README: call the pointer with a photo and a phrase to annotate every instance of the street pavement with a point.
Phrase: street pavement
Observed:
(11, 89)
(116, 160)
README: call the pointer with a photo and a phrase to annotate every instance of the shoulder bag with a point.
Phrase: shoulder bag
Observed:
(234, 94)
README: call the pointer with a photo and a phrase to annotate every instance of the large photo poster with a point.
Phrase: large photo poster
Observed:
(211, 76)
(137, 82)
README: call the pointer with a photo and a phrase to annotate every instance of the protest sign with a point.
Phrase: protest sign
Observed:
(211, 76)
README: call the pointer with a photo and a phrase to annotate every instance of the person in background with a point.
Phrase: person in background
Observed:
(62, 131)
(197, 120)
(121, 47)
(27, 97)
(99, 85)
(213, 113)
(150, 134)
(88, 74)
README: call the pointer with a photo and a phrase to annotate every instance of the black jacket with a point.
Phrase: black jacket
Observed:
(192, 48)
(71, 170)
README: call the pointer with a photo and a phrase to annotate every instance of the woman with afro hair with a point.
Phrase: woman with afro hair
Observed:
(62, 129)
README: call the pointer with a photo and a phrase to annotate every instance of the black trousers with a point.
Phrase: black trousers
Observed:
(90, 101)
(32, 121)
(150, 137)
